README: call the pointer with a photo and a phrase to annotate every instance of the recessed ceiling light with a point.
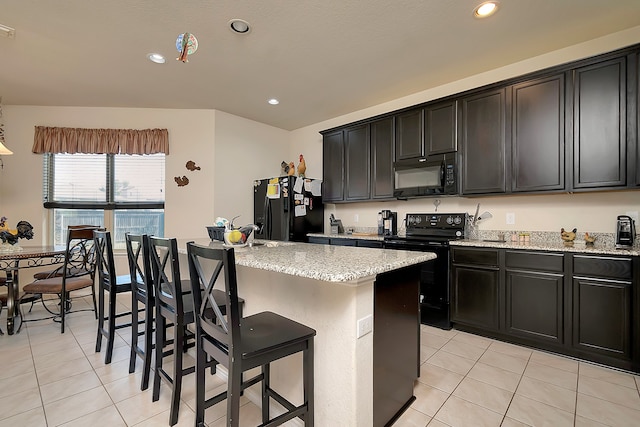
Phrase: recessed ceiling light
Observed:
(239, 26)
(273, 101)
(156, 57)
(486, 9)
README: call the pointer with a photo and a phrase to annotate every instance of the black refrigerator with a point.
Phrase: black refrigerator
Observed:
(287, 208)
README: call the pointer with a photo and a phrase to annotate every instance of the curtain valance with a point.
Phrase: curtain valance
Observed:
(100, 141)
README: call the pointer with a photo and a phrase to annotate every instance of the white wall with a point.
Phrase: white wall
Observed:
(207, 137)
(588, 212)
(245, 151)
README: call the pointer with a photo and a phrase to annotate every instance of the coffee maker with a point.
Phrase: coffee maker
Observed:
(625, 232)
(387, 223)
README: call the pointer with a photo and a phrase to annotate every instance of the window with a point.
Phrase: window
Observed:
(125, 193)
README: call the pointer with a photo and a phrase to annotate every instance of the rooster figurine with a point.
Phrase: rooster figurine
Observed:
(568, 236)
(285, 168)
(292, 169)
(302, 167)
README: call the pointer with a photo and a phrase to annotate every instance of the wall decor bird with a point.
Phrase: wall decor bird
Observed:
(181, 181)
(302, 167)
(191, 165)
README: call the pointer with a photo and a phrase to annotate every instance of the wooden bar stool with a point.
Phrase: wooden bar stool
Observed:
(240, 344)
(141, 293)
(109, 282)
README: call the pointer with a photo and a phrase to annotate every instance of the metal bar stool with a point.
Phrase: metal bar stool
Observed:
(109, 282)
(240, 344)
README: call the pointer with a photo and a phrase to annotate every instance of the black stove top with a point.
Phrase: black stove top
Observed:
(434, 226)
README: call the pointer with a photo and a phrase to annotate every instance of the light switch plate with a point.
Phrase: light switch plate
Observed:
(511, 218)
(356, 218)
(365, 325)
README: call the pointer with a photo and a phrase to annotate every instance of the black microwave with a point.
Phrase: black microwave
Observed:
(426, 176)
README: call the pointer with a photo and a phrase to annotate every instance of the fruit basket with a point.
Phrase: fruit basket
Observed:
(235, 238)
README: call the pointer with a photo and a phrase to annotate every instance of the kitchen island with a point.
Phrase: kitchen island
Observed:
(361, 379)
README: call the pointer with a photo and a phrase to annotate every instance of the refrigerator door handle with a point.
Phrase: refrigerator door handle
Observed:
(267, 218)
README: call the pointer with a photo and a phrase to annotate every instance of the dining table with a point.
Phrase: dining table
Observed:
(17, 258)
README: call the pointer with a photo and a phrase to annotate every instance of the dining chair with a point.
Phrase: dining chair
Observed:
(56, 271)
(174, 305)
(76, 272)
(138, 255)
(243, 343)
(108, 282)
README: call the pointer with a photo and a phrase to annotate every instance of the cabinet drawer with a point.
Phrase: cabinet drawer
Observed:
(534, 261)
(475, 256)
(609, 267)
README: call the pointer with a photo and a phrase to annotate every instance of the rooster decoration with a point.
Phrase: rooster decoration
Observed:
(302, 167)
(181, 181)
(288, 169)
(568, 236)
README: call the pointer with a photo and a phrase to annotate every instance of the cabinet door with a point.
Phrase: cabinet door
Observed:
(358, 160)
(534, 305)
(483, 142)
(602, 317)
(382, 145)
(343, 242)
(538, 135)
(333, 167)
(409, 134)
(599, 129)
(440, 128)
(474, 299)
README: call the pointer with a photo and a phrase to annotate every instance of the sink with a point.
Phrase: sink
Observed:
(494, 240)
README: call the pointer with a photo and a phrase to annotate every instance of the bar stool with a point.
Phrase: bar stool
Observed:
(241, 344)
(108, 281)
(174, 304)
(141, 293)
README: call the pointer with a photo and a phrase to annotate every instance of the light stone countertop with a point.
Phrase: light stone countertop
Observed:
(347, 265)
(558, 246)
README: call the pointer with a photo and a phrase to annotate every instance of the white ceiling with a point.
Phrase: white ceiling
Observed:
(321, 58)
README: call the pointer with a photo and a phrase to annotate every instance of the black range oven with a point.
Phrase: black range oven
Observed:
(432, 233)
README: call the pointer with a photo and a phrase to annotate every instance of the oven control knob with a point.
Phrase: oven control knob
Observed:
(449, 220)
(457, 220)
(418, 220)
(458, 233)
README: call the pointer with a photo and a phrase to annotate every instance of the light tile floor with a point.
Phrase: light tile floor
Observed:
(53, 379)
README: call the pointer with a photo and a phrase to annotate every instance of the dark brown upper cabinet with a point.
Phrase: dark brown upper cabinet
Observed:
(410, 134)
(440, 127)
(538, 134)
(600, 125)
(382, 146)
(483, 142)
(358, 160)
(333, 166)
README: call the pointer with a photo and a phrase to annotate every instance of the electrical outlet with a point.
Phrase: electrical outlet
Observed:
(365, 325)
(356, 218)
(633, 215)
(511, 218)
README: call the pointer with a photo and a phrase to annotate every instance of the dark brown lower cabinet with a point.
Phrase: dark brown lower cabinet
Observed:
(582, 305)
(534, 295)
(475, 288)
(534, 305)
(602, 305)
(602, 317)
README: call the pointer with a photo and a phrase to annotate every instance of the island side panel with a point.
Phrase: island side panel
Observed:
(396, 344)
(343, 365)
